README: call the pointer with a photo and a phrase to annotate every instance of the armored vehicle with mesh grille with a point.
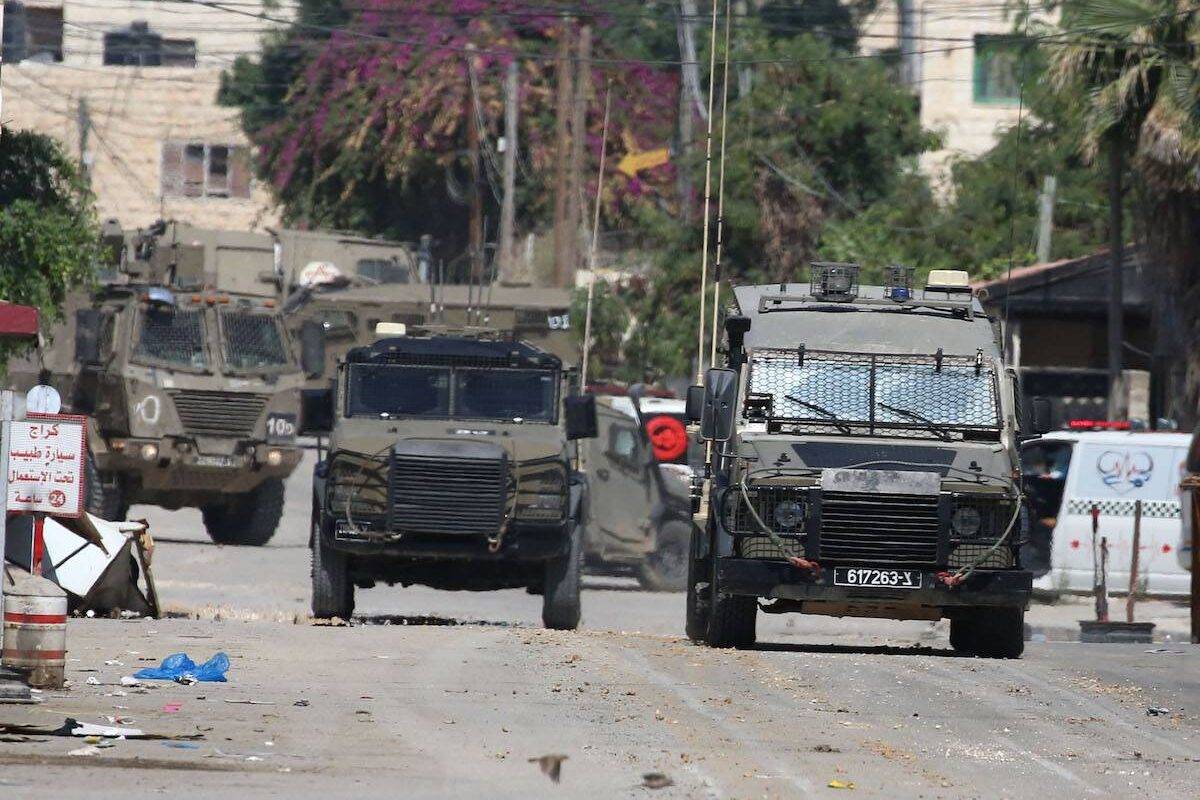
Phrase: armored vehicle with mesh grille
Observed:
(449, 465)
(181, 360)
(864, 463)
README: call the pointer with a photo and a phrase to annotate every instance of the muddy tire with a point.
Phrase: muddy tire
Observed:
(666, 569)
(990, 633)
(332, 591)
(561, 606)
(246, 519)
(696, 623)
(104, 497)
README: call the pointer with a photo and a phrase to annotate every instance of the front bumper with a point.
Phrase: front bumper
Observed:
(523, 541)
(780, 580)
(178, 465)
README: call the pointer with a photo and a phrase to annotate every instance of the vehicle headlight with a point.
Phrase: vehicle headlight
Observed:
(966, 522)
(548, 480)
(789, 515)
(360, 482)
(542, 494)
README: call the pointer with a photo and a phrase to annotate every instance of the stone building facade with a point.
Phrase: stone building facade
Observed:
(129, 87)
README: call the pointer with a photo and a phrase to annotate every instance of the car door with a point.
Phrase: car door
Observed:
(624, 488)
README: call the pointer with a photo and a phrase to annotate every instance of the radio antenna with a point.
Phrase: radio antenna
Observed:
(712, 355)
(712, 74)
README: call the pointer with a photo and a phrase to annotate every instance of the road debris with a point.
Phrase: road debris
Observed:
(656, 780)
(837, 783)
(551, 765)
(1156, 711)
(181, 669)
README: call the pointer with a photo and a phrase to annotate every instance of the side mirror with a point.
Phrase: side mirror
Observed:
(736, 329)
(720, 400)
(1043, 415)
(694, 406)
(89, 322)
(316, 412)
(580, 416)
(312, 348)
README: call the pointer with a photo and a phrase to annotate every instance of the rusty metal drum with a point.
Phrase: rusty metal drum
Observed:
(35, 629)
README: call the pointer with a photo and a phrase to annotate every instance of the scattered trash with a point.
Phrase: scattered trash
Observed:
(171, 708)
(109, 731)
(92, 680)
(129, 680)
(251, 702)
(186, 680)
(92, 733)
(656, 780)
(301, 703)
(840, 784)
(551, 765)
(112, 662)
(1164, 650)
(1155, 711)
(825, 748)
(90, 750)
(179, 666)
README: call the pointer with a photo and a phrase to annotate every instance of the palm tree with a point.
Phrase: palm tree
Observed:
(1135, 66)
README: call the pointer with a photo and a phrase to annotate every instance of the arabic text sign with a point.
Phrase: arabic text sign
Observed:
(46, 465)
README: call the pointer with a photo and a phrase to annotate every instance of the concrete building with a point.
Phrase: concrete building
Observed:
(963, 62)
(129, 87)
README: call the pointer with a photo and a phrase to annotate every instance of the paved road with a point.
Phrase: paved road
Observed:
(456, 702)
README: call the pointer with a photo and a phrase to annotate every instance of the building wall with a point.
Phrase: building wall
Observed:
(947, 53)
(118, 119)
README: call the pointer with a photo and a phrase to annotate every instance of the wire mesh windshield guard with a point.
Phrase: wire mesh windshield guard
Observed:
(252, 340)
(866, 393)
(173, 335)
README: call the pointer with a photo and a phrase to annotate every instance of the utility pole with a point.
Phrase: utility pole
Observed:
(84, 118)
(579, 108)
(1046, 217)
(508, 210)
(683, 179)
(1116, 300)
(562, 230)
(476, 197)
(910, 66)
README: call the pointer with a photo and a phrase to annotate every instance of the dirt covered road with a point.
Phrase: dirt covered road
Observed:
(451, 695)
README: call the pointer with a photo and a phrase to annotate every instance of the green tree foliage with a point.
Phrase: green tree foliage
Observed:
(49, 238)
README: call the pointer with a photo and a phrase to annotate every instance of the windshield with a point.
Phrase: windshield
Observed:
(172, 335)
(387, 391)
(864, 393)
(252, 341)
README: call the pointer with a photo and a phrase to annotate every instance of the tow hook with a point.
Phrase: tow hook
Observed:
(811, 567)
(497, 541)
(949, 580)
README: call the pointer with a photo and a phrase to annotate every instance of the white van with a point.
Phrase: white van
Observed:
(1067, 473)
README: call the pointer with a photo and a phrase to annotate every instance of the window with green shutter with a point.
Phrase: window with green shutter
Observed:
(997, 77)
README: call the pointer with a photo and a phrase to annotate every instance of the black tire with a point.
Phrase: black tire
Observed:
(990, 633)
(732, 621)
(666, 569)
(696, 625)
(332, 591)
(246, 519)
(561, 606)
(104, 497)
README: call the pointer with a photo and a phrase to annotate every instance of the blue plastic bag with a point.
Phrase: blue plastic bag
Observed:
(179, 665)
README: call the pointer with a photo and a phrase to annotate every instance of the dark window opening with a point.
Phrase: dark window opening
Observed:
(138, 46)
(383, 270)
(998, 69)
(32, 34)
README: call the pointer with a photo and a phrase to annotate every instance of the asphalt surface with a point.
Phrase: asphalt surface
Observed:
(435, 694)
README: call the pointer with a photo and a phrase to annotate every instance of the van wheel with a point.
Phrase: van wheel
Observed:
(104, 497)
(247, 519)
(561, 606)
(698, 612)
(990, 633)
(666, 569)
(332, 591)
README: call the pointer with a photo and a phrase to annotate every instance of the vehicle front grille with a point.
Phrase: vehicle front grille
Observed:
(447, 495)
(879, 528)
(763, 547)
(218, 413)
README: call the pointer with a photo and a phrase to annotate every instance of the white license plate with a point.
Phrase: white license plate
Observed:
(216, 461)
(873, 577)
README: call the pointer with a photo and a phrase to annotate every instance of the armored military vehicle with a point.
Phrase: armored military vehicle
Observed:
(448, 465)
(864, 463)
(640, 471)
(181, 359)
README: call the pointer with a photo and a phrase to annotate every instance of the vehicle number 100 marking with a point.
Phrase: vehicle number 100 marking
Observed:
(281, 427)
(870, 576)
